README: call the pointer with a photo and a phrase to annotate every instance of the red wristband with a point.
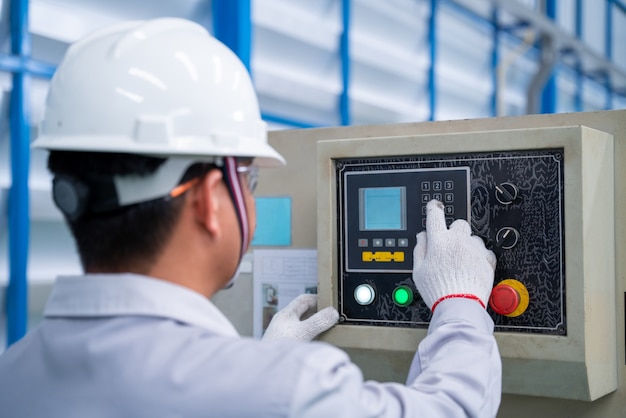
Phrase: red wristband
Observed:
(458, 295)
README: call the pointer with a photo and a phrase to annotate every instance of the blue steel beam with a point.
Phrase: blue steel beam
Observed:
(620, 5)
(578, 98)
(269, 117)
(608, 33)
(16, 64)
(525, 22)
(344, 51)
(432, 39)
(495, 58)
(476, 17)
(548, 94)
(608, 49)
(232, 24)
(19, 228)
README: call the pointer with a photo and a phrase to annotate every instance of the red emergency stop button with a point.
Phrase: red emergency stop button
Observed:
(509, 298)
(504, 299)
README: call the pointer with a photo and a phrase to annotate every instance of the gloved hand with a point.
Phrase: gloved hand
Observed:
(451, 262)
(286, 323)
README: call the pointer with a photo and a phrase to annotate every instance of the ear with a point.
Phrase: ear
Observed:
(207, 203)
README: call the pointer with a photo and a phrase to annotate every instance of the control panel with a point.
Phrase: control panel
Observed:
(542, 199)
(513, 201)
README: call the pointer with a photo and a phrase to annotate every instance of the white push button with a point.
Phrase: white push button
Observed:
(364, 294)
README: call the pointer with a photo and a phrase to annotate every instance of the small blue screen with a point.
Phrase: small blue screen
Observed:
(382, 208)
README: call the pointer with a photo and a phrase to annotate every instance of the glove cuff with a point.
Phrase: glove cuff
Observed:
(458, 295)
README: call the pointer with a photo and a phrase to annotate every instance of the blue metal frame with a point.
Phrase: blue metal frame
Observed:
(620, 5)
(19, 227)
(469, 13)
(232, 24)
(549, 94)
(578, 98)
(495, 59)
(552, 103)
(16, 64)
(344, 51)
(287, 121)
(23, 67)
(608, 39)
(432, 39)
(238, 37)
(608, 50)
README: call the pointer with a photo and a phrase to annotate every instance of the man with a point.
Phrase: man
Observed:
(155, 139)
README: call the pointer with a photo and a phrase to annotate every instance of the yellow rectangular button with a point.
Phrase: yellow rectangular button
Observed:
(382, 256)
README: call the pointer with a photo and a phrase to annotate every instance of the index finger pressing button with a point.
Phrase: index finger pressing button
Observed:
(435, 218)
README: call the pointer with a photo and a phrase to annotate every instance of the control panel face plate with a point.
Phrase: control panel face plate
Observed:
(380, 213)
(513, 200)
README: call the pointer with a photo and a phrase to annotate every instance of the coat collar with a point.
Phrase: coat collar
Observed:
(106, 295)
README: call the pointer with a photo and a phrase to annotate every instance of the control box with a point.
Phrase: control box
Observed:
(541, 199)
(512, 199)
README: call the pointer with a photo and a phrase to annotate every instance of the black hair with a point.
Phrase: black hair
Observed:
(129, 236)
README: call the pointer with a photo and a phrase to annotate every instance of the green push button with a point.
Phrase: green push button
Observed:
(403, 295)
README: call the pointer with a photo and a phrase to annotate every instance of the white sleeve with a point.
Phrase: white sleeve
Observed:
(459, 362)
(456, 372)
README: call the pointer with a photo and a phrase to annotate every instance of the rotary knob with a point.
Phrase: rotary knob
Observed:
(509, 298)
(506, 193)
(507, 237)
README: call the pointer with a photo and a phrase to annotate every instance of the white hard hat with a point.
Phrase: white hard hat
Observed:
(163, 88)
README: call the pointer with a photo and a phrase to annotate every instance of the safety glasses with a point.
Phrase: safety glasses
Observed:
(250, 174)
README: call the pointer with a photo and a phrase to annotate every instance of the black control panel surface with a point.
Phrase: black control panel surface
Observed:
(384, 210)
(513, 200)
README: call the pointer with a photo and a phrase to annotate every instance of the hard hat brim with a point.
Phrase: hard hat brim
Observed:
(263, 154)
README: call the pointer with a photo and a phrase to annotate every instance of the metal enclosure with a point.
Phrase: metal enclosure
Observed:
(588, 289)
(580, 373)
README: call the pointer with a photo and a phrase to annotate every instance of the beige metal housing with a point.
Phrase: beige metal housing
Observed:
(572, 366)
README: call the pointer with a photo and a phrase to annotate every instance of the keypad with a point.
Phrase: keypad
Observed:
(442, 191)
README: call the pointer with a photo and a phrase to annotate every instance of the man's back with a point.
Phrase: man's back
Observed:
(159, 351)
(144, 366)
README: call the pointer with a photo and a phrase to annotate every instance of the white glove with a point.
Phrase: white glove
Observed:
(451, 262)
(286, 323)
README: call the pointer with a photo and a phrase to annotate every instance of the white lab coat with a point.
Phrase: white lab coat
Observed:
(133, 346)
